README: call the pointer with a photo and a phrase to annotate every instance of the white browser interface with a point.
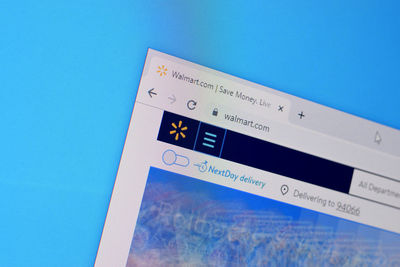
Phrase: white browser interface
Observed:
(219, 171)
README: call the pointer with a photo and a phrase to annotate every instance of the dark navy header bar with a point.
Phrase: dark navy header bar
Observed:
(206, 138)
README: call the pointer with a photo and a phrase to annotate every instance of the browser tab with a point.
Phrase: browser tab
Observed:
(188, 79)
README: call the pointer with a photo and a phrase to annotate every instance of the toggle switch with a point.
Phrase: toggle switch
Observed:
(169, 157)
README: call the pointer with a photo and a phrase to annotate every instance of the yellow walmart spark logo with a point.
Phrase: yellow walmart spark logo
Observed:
(178, 130)
(162, 70)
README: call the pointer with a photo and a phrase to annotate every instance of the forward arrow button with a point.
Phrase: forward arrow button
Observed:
(172, 98)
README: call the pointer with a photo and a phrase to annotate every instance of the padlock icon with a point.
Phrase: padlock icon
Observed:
(215, 112)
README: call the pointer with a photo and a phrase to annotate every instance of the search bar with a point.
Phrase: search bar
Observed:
(375, 188)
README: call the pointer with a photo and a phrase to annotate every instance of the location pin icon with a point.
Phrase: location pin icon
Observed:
(284, 189)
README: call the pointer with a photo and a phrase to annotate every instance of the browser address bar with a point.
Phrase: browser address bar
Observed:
(363, 184)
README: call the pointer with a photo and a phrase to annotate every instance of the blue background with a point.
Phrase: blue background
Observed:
(69, 71)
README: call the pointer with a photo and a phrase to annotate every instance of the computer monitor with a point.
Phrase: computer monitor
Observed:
(220, 171)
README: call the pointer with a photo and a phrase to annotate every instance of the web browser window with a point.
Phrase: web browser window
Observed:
(219, 171)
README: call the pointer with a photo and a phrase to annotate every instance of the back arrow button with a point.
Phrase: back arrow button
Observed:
(151, 93)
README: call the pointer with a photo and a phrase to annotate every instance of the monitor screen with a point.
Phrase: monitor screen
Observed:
(69, 77)
(220, 171)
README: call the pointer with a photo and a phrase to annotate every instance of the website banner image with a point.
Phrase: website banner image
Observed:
(184, 221)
